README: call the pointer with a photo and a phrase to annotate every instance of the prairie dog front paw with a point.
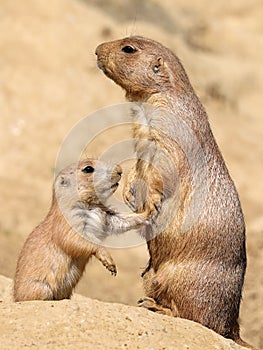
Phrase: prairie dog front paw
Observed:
(135, 196)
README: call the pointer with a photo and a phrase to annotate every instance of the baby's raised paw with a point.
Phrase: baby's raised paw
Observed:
(143, 218)
(138, 220)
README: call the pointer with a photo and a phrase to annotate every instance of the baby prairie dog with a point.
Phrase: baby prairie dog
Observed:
(196, 241)
(55, 254)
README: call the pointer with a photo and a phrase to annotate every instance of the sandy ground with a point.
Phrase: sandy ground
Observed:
(49, 81)
(85, 323)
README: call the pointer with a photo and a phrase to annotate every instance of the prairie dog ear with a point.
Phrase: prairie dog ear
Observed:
(64, 181)
(159, 62)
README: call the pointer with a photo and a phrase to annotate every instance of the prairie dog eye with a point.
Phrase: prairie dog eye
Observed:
(155, 69)
(128, 49)
(88, 169)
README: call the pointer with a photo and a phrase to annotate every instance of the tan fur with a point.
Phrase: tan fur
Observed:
(55, 254)
(197, 264)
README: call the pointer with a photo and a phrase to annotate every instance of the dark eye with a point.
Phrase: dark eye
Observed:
(155, 69)
(128, 49)
(88, 169)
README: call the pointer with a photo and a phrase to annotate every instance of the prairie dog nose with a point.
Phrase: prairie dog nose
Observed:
(97, 51)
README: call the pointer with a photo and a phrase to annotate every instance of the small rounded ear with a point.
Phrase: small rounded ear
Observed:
(64, 181)
(160, 61)
(157, 64)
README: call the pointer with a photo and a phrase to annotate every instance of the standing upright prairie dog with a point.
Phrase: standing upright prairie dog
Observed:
(55, 254)
(195, 271)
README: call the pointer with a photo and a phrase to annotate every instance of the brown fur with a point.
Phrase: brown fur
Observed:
(55, 254)
(195, 272)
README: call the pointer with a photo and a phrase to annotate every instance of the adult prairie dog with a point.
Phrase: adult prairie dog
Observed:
(197, 263)
(55, 254)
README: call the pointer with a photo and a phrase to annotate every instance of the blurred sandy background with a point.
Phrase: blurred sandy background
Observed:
(49, 81)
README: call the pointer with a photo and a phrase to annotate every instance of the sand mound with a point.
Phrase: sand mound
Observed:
(83, 323)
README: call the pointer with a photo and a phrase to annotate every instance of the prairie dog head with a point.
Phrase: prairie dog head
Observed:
(141, 66)
(90, 181)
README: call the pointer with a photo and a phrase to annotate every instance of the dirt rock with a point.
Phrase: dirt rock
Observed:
(85, 323)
